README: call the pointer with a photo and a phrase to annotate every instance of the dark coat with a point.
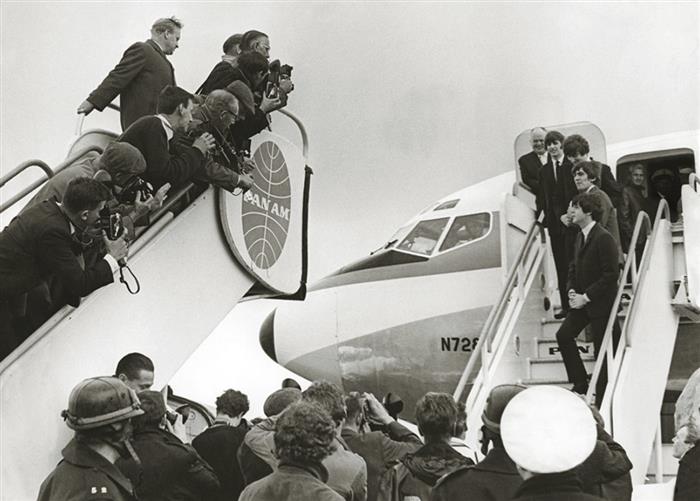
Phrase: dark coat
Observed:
(609, 184)
(608, 218)
(38, 245)
(221, 75)
(606, 472)
(218, 445)
(594, 270)
(553, 196)
(530, 166)
(494, 479)
(169, 470)
(253, 467)
(138, 78)
(292, 482)
(633, 202)
(162, 166)
(553, 487)
(688, 478)
(418, 472)
(84, 474)
(379, 450)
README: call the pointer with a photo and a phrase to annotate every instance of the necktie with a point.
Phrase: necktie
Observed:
(556, 167)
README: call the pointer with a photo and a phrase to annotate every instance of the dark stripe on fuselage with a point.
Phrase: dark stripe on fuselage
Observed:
(384, 265)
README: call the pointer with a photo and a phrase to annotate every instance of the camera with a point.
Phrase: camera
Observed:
(277, 71)
(134, 186)
(111, 222)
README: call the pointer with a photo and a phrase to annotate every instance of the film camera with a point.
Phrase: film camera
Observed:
(111, 222)
(133, 187)
(277, 72)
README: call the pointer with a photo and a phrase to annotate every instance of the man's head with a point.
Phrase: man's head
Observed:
(547, 429)
(246, 100)
(662, 180)
(256, 41)
(136, 371)
(355, 411)
(232, 403)
(585, 174)
(587, 208)
(290, 383)
(576, 148)
(223, 108)
(638, 174)
(153, 406)
(100, 410)
(176, 103)
(254, 66)
(83, 200)
(304, 433)
(122, 162)
(537, 136)
(329, 397)
(436, 414)
(280, 400)
(166, 32)
(553, 141)
(232, 45)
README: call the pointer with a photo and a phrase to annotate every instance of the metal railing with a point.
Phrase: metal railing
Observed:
(614, 357)
(517, 274)
(49, 174)
(694, 182)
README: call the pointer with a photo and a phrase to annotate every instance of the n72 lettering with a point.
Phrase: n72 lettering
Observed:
(458, 344)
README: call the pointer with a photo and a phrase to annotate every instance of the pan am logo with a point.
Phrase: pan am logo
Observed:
(266, 206)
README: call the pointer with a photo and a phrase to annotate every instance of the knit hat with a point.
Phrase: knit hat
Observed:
(122, 159)
(280, 400)
(243, 94)
(547, 429)
(496, 403)
(153, 405)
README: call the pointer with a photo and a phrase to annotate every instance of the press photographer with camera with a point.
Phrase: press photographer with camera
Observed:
(46, 243)
(377, 448)
(223, 167)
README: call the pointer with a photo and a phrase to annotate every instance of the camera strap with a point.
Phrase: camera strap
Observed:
(126, 284)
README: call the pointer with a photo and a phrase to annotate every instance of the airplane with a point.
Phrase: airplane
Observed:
(407, 318)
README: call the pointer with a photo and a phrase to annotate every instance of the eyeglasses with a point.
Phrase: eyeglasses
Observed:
(234, 116)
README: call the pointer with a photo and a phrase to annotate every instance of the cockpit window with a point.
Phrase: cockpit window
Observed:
(424, 236)
(467, 228)
(447, 205)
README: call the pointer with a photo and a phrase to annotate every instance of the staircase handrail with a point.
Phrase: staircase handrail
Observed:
(47, 170)
(694, 182)
(614, 360)
(489, 328)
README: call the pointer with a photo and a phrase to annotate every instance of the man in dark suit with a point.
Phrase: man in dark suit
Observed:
(555, 176)
(531, 163)
(46, 242)
(591, 286)
(142, 73)
(577, 149)
(151, 135)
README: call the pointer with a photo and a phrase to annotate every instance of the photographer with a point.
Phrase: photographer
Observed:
(47, 242)
(223, 167)
(376, 448)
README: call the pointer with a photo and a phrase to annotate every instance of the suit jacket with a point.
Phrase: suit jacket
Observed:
(609, 217)
(594, 270)
(221, 75)
(148, 136)
(552, 197)
(38, 245)
(530, 166)
(138, 78)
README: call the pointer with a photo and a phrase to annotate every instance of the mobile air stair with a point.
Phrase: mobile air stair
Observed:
(190, 280)
(656, 297)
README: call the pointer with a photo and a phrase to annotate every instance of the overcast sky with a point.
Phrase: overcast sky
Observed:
(404, 102)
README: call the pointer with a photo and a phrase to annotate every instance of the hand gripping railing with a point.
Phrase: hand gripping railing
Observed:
(516, 276)
(49, 174)
(614, 357)
(694, 182)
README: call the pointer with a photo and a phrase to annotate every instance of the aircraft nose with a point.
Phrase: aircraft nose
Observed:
(267, 335)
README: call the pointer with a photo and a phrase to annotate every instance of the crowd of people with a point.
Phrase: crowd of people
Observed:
(74, 234)
(590, 218)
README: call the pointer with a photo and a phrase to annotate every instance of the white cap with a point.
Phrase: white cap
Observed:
(547, 429)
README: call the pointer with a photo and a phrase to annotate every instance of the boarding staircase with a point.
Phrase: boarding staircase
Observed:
(189, 279)
(653, 297)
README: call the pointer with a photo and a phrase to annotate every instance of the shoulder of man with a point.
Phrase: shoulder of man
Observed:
(454, 475)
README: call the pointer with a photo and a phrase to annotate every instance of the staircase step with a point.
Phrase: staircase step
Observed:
(548, 368)
(564, 383)
(547, 348)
